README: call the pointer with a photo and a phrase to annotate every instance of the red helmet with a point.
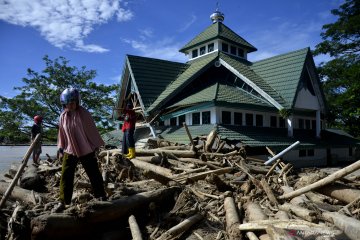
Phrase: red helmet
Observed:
(38, 119)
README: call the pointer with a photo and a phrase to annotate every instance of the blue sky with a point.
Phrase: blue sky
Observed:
(99, 33)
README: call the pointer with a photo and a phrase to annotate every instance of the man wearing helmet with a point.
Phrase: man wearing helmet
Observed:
(35, 130)
(78, 139)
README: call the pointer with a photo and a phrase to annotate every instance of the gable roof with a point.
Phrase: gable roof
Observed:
(220, 92)
(283, 73)
(218, 31)
(194, 68)
(243, 67)
(153, 75)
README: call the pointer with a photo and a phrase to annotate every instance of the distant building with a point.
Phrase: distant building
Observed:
(273, 102)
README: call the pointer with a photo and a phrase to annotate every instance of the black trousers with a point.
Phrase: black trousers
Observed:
(89, 162)
(128, 140)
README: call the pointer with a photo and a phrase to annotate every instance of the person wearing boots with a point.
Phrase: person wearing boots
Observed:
(128, 129)
(78, 140)
(35, 130)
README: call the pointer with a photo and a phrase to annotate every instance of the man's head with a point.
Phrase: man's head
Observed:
(38, 119)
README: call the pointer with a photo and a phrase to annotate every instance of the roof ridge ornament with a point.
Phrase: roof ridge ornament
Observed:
(217, 16)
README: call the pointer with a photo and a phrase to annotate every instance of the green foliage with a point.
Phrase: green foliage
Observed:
(341, 76)
(41, 96)
(285, 113)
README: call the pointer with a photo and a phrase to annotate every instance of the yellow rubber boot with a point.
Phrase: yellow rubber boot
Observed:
(131, 153)
(127, 155)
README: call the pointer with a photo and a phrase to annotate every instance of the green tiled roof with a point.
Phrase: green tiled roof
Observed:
(222, 93)
(283, 73)
(243, 67)
(218, 30)
(193, 68)
(259, 136)
(179, 135)
(153, 76)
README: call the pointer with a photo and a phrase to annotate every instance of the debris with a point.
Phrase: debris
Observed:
(209, 189)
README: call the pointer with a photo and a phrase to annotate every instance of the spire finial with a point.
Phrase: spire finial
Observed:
(217, 16)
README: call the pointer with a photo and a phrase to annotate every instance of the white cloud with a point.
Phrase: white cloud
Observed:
(165, 48)
(64, 23)
(188, 24)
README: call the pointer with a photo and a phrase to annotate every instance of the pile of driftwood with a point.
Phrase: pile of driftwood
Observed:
(209, 189)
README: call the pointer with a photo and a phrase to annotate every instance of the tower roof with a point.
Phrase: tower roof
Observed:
(218, 30)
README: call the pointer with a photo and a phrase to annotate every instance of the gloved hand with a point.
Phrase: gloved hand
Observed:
(126, 118)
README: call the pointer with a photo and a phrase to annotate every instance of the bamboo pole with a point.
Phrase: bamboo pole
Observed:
(19, 172)
(329, 179)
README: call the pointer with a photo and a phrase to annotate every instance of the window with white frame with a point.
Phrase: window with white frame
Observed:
(225, 47)
(306, 152)
(238, 118)
(202, 50)
(226, 117)
(173, 121)
(282, 122)
(273, 121)
(249, 119)
(259, 119)
(211, 47)
(194, 53)
(205, 117)
(196, 118)
(241, 52)
(233, 50)
(181, 120)
(301, 123)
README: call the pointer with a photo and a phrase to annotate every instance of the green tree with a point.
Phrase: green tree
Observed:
(41, 96)
(341, 75)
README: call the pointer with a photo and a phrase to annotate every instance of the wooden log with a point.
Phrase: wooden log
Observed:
(232, 219)
(151, 167)
(282, 215)
(134, 228)
(178, 153)
(269, 192)
(22, 195)
(254, 212)
(327, 180)
(273, 167)
(340, 192)
(200, 176)
(210, 140)
(199, 162)
(182, 227)
(190, 137)
(299, 200)
(294, 224)
(304, 213)
(21, 169)
(350, 226)
(62, 226)
(31, 180)
(221, 154)
(251, 236)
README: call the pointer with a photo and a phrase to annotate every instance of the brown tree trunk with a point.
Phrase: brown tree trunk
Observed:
(232, 219)
(62, 226)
